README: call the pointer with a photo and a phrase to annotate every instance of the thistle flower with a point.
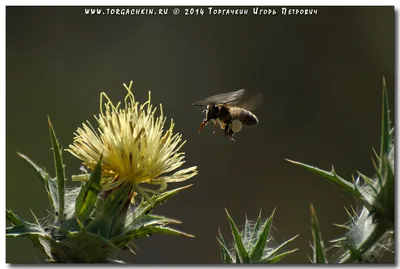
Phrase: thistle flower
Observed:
(133, 145)
(96, 221)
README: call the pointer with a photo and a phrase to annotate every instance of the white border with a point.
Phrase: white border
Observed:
(149, 3)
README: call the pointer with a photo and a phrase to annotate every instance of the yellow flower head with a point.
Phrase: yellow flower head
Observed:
(134, 146)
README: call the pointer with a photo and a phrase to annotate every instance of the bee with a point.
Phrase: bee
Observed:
(230, 110)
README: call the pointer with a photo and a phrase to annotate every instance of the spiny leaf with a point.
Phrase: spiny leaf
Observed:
(146, 231)
(44, 177)
(258, 249)
(22, 224)
(342, 226)
(34, 216)
(318, 244)
(238, 259)
(116, 200)
(367, 180)
(36, 168)
(256, 228)
(247, 227)
(386, 137)
(167, 230)
(59, 167)
(376, 155)
(151, 220)
(279, 257)
(226, 255)
(145, 207)
(331, 176)
(118, 225)
(116, 261)
(238, 240)
(13, 218)
(87, 197)
(384, 203)
(389, 197)
(130, 247)
(341, 240)
(25, 230)
(102, 223)
(52, 192)
(281, 246)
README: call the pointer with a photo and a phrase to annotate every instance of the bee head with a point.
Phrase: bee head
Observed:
(212, 112)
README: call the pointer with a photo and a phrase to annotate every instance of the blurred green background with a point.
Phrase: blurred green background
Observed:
(321, 78)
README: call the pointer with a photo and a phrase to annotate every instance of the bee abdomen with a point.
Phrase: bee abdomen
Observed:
(249, 118)
(245, 116)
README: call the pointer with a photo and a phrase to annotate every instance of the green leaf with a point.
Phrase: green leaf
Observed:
(386, 136)
(242, 252)
(115, 261)
(145, 231)
(21, 225)
(23, 228)
(52, 192)
(13, 218)
(59, 167)
(384, 203)
(275, 252)
(237, 257)
(165, 230)
(51, 187)
(38, 171)
(318, 244)
(106, 212)
(279, 257)
(256, 228)
(257, 252)
(367, 180)
(390, 196)
(151, 220)
(331, 176)
(247, 227)
(225, 254)
(87, 197)
(118, 225)
(145, 207)
(82, 247)
(116, 200)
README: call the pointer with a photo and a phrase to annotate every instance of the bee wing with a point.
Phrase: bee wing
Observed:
(229, 98)
(252, 102)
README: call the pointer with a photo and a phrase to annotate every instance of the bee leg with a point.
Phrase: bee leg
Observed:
(230, 135)
(226, 131)
(215, 125)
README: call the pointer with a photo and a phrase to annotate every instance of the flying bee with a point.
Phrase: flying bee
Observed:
(230, 110)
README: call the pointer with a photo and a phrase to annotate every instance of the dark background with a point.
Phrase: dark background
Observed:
(321, 78)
